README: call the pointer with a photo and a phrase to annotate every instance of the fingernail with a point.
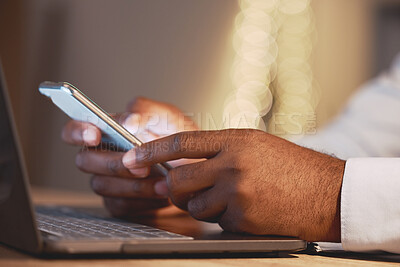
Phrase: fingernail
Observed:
(129, 159)
(140, 173)
(161, 188)
(89, 136)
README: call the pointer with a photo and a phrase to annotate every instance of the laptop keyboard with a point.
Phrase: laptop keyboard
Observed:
(68, 223)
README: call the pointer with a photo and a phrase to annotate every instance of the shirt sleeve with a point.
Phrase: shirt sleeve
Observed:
(370, 205)
(368, 127)
(370, 124)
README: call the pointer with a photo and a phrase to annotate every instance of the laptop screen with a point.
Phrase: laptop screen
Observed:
(8, 157)
(17, 226)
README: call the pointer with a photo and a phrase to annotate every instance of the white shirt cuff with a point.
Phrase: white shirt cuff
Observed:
(370, 205)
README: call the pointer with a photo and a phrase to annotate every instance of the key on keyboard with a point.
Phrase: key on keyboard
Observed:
(68, 223)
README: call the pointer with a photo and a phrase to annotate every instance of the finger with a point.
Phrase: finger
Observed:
(233, 219)
(137, 125)
(108, 186)
(120, 117)
(125, 207)
(187, 180)
(208, 205)
(161, 118)
(131, 121)
(161, 188)
(196, 144)
(81, 133)
(142, 104)
(108, 163)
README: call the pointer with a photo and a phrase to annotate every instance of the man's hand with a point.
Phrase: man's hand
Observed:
(251, 182)
(125, 192)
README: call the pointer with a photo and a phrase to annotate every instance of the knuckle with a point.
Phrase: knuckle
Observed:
(137, 187)
(181, 142)
(235, 167)
(144, 155)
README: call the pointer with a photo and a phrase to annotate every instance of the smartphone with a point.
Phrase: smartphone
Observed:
(81, 108)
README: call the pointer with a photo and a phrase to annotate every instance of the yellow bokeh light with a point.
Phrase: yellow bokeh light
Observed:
(265, 5)
(298, 25)
(273, 43)
(243, 72)
(291, 7)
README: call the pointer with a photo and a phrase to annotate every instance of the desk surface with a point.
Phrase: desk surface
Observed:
(10, 257)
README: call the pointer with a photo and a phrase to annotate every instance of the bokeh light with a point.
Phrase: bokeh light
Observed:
(273, 41)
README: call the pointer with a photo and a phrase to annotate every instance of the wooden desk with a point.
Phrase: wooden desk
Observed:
(11, 257)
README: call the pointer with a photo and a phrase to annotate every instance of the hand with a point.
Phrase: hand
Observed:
(125, 192)
(251, 182)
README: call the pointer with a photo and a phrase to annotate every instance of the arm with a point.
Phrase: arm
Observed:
(369, 126)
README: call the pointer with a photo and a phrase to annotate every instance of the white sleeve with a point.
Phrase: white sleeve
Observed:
(370, 205)
(369, 126)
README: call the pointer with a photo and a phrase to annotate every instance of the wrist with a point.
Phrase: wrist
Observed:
(323, 220)
(333, 198)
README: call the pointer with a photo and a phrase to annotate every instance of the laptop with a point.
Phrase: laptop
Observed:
(62, 230)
